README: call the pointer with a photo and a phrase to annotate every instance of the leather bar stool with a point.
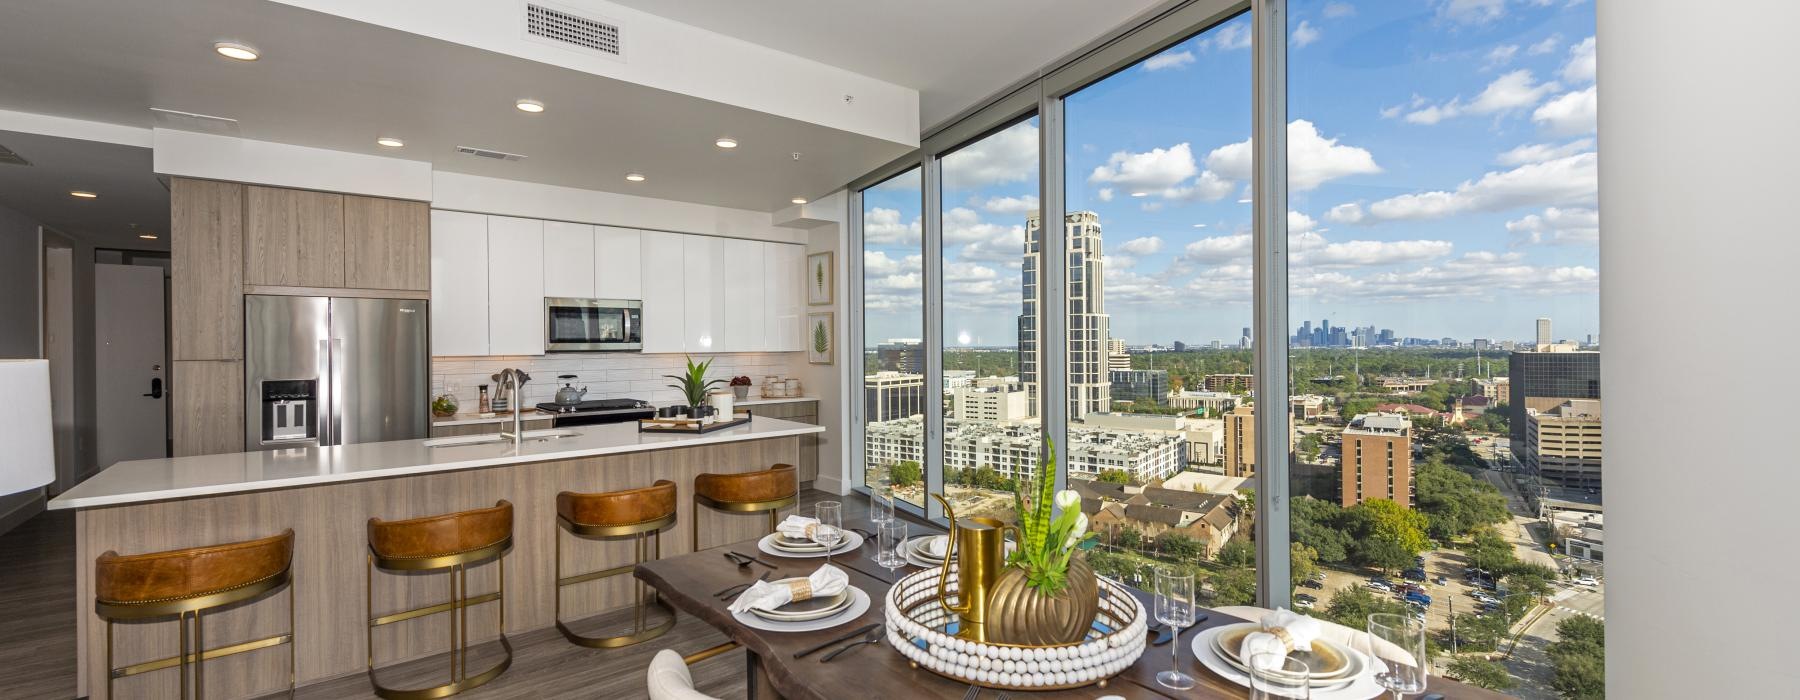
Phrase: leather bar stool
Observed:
(450, 542)
(751, 492)
(637, 513)
(186, 583)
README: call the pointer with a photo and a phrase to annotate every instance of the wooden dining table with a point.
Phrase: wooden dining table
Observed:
(871, 672)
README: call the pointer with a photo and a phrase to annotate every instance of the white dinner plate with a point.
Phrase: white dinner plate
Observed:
(811, 609)
(851, 542)
(1363, 688)
(859, 604)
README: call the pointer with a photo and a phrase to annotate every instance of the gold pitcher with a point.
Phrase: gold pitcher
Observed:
(982, 548)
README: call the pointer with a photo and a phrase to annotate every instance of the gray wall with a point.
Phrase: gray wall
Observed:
(19, 307)
(1697, 282)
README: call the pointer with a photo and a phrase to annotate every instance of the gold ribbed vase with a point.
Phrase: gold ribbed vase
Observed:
(1019, 614)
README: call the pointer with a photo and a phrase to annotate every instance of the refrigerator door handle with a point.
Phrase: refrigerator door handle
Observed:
(337, 391)
(326, 399)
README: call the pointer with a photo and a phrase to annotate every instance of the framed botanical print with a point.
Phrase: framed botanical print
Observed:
(820, 279)
(821, 333)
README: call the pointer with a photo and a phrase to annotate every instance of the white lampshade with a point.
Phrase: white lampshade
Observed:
(28, 458)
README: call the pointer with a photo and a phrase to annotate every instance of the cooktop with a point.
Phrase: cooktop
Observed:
(594, 405)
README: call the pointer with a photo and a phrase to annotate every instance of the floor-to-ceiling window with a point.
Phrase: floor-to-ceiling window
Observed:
(1158, 297)
(1444, 349)
(992, 430)
(893, 323)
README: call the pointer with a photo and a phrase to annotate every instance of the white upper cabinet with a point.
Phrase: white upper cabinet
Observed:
(459, 284)
(785, 284)
(663, 290)
(618, 271)
(568, 260)
(515, 286)
(738, 271)
(703, 306)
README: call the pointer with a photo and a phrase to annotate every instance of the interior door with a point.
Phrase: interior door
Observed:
(130, 407)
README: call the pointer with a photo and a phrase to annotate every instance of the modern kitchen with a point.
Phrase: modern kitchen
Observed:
(622, 348)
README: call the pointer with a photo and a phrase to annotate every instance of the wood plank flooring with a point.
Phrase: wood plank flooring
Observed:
(37, 642)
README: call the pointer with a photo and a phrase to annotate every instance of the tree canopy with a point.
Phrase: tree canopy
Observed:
(1454, 503)
(1579, 655)
(906, 473)
(1386, 534)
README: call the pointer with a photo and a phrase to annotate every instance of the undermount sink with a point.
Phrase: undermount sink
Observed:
(491, 438)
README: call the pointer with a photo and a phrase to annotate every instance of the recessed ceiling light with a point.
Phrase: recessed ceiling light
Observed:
(532, 106)
(726, 143)
(634, 177)
(798, 200)
(235, 50)
(147, 236)
(389, 142)
(82, 194)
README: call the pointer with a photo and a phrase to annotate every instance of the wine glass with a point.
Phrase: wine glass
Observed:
(1274, 675)
(1175, 608)
(892, 540)
(830, 530)
(1398, 642)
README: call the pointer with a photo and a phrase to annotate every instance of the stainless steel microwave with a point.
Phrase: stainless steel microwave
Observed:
(593, 325)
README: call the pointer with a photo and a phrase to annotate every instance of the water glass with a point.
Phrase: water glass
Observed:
(1175, 607)
(1274, 676)
(1398, 643)
(881, 506)
(892, 542)
(830, 530)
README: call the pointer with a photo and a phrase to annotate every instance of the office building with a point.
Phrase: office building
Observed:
(1544, 336)
(1563, 444)
(1496, 389)
(1140, 385)
(1240, 442)
(1204, 437)
(893, 395)
(1207, 403)
(901, 355)
(1377, 459)
(1117, 360)
(1228, 382)
(1542, 380)
(996, 403)
(1089, 387)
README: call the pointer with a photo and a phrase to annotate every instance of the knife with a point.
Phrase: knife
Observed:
(852, 633)
(873, 637)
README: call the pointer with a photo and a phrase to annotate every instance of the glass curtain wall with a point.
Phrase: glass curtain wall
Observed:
(992, 434)
(1158, 392)
(1444, 354)
(893, 363)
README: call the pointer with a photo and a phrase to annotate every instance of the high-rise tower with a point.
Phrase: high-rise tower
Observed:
(1090, 387)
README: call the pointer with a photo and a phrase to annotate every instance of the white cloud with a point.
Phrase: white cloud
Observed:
(1024, 204)
(1512, 91)
(1156, 169)
(1300, 223)
(1371, 253)
(882, 226)
(1540, 152)
(1471, 11)
(1209, 187)
(1218, 249)
(1169, 59)
(963, 225)
(1235, 35)
(1502, 54)
(1548, 45)
(1147, 245)
(1563, 181)
(1105, 194)
(1581, 65)
(1350, 213)
(1304, 33)
(1008, 156)
(1557, 226)
(1336, 10)
(1475, 276)
(1573, 113)
(1312, 158)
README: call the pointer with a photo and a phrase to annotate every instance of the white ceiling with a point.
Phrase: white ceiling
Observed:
(129, 192)
(954, 52)
(328, 82)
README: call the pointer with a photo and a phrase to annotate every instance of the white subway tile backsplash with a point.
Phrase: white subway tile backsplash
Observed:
(605, 375)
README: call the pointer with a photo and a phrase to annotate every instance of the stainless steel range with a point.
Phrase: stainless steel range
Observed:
(598, 411)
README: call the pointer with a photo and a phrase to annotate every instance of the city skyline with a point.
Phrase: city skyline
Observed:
(1441, 170)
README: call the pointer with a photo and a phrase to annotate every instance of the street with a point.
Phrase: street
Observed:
(1529, 662)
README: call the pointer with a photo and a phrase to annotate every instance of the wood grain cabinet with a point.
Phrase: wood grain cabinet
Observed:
(206, 306)
(293, 238)
(387, 244)
(206, 407)
(800, 412)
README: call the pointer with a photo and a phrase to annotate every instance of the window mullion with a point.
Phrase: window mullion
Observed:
(1053, 302)
(1269, 170)
(933, 342)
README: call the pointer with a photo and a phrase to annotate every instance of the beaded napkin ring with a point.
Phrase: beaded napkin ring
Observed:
(800, 589)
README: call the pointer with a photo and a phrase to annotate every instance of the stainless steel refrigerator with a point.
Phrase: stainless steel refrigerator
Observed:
(334, 371)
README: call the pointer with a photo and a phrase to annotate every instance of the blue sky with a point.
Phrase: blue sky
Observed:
(1442, 182)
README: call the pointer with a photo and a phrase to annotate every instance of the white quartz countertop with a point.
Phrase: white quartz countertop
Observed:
(536, 415)
(146, 480)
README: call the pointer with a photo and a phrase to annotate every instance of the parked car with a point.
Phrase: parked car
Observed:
(1303, 604)
(1310, 583)
(1416, 597)
(1414, 574)
(1588, 581)
(1441, 580)
(1379, 586)
(1318, 576)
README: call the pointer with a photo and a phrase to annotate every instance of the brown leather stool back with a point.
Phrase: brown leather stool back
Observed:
(616, 512)
(424, 543)
(637, 513)
(193, 573)
(772, 484)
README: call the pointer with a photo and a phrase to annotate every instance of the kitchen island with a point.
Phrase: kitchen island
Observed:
(327, 495)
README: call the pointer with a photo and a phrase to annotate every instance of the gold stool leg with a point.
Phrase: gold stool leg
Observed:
(695, 528)
(293, 667)
(109, 660)
(199, 660)
(182, 622)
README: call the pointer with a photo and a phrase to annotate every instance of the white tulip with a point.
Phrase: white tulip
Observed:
(1081, 525)
(1067, 499)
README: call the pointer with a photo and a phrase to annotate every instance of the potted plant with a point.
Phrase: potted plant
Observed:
(1047, 594)
(693, 386)
(740, 387)
(444, 406)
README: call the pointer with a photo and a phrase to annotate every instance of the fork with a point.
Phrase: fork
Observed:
(974, 690)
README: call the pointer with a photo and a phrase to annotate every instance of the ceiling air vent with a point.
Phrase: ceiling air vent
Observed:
(565, 28)
(8, 157)
(490, 153)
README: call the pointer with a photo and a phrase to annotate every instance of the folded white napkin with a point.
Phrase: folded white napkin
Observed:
(769, 595)
(934, 547)
(1283, 631)
(797, 527)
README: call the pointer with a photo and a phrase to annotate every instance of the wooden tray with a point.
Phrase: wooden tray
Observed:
(689, 426)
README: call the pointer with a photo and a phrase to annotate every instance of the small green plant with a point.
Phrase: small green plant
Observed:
(693, 385)
(1049, 539)
(821, 339)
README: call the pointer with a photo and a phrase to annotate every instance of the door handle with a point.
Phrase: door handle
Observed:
(156, 391)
